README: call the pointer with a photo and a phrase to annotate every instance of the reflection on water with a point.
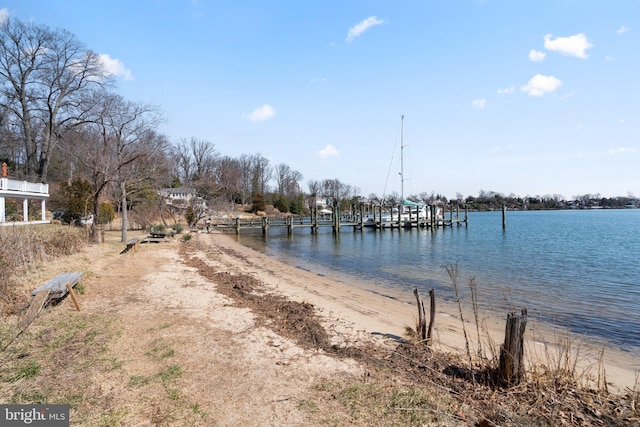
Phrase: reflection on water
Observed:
(576, 268)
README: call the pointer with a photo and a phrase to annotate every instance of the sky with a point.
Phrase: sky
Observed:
(522, 97)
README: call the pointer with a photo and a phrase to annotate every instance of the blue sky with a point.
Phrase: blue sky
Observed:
(524, 97)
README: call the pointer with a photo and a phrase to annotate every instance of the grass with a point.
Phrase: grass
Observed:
(160, 350)
(24, 371)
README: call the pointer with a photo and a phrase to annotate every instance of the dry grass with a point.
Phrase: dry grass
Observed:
(23, 247)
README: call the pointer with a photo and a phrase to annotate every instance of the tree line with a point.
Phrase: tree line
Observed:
(63, 122)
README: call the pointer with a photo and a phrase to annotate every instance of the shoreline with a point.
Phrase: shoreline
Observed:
(372, 311)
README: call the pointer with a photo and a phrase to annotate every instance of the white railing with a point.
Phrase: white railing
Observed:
(23, 186)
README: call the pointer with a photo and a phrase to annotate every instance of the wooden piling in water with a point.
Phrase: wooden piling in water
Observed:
(504, 217)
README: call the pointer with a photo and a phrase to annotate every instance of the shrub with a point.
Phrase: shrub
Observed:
(178, 227)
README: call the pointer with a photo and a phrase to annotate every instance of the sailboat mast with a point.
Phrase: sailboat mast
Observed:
(402, 159)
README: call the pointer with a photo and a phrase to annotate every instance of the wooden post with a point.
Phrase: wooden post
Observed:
(432, 314)
(289, 222)
(265, 225)
(504, 217)
(421, 327)
(237, 220)
(466, 215)
(433, 216)
(73, 296)
(512, 351)
(315, 220)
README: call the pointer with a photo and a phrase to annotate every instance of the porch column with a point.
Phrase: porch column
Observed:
(2, 215)
(25, 210)
(43, 206)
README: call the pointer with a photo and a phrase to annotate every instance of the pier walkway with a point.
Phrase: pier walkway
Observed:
(357, 222)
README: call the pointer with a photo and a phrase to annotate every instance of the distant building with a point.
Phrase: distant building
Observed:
(181, 197)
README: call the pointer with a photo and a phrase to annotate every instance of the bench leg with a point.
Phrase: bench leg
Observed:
(73, 296)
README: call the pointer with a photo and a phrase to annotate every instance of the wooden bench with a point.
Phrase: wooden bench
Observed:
(57, 286)
(131, 244)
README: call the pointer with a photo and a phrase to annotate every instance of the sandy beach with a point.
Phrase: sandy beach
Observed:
(364, 311)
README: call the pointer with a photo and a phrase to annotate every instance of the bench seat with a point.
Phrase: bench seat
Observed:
(57, 286)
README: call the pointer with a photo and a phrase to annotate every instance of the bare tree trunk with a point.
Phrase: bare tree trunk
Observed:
(125, 219)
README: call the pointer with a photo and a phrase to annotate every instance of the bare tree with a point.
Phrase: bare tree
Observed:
(287, 180)
(45, 75)
(261, 174)
(245, 178)
(119, 136)
(196, 159)
(228, 178)
(338, 192)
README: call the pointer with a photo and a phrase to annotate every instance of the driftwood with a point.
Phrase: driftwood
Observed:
(512, 351)
(421, 327)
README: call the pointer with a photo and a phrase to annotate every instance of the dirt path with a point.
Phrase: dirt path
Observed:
(186, 353)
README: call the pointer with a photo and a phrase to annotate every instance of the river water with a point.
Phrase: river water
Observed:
(575, 269)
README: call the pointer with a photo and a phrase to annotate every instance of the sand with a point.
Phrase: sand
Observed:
(362, 311)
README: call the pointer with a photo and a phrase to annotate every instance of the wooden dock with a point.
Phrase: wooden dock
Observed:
(353, 220)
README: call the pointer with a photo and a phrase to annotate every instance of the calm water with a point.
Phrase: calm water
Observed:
(576, 269)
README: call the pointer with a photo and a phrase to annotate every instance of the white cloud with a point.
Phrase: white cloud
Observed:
(622, 30)
(622, 150)
(260, 114)
(479, 103)
(573, 45)
(536, 55)
(4, 14)
(328, 151)
(363, 26)
(507, 90)
(538, 85)
(115, 67)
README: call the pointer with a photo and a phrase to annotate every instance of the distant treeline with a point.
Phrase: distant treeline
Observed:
(494, 201)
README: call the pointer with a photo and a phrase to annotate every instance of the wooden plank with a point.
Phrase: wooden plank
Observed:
(32, 312)
(57, 285)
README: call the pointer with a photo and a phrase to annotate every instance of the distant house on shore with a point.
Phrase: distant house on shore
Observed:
(180, 197)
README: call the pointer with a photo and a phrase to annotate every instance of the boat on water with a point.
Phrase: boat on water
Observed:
(408, 213)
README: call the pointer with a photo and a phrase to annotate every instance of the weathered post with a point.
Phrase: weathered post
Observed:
(265, 225)
(237, 221)
(466, 215)
(421, 327)
(512, 351)
(314, 220)
(432, 314)
(289, 222)
(504, 217)
(433, 216)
